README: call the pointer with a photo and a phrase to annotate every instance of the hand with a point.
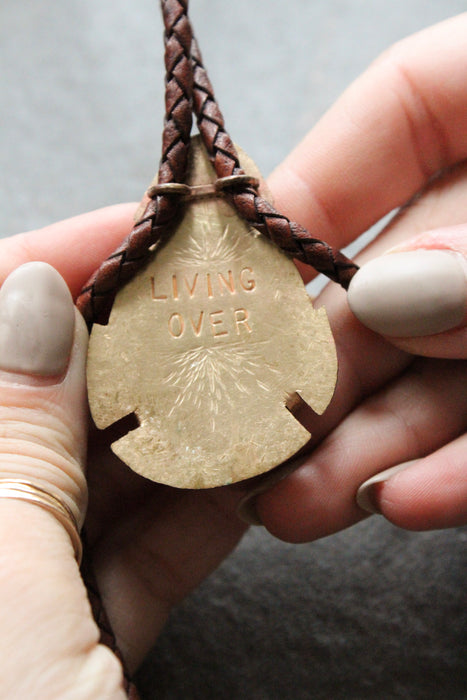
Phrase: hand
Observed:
(396, 136)
(150, 544)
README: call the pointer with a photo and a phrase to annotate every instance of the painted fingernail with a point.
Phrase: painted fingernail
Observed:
(36, 321)
(368, 494)
(411, 294)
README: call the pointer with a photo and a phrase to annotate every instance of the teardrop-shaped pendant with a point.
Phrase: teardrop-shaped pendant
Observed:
(207, 345)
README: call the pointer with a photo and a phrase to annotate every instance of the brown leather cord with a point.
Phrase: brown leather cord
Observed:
(162, 213)
(188, 90)
(291, 237)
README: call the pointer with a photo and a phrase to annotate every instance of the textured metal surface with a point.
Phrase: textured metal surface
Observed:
(206, 346)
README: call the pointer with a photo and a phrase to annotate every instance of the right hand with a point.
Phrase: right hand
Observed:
(380, 147)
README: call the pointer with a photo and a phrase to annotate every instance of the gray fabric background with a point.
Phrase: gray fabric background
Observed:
(373, 612)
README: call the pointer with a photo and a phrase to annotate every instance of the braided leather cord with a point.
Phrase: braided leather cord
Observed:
(188, 87)
(291, 237)
(162, 213)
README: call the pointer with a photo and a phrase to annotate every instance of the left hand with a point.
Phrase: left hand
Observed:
(150, 544)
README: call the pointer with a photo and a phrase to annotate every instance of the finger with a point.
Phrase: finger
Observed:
(417, 294)
(452, 343)
(426, 494)
(360, 360)
(152, 559)
(402, 121)
(47, 632)
(440, 214)
(419, 413)
(75, 247)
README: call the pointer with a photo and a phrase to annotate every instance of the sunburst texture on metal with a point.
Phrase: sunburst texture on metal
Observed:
(206, 346)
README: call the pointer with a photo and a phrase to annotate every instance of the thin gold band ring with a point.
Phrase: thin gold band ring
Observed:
(31, 493)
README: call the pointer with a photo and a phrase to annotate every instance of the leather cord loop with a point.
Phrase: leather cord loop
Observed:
(188, 90)
(230, 183)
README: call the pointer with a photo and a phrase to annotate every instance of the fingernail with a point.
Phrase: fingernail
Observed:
(411, 294)
(36, 321)
(368, 494)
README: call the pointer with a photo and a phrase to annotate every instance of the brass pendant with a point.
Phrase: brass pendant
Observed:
(207, 345)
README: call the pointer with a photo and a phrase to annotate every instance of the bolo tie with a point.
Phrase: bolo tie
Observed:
(201, 328)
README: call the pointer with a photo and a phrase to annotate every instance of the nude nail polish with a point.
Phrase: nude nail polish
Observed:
(367, 496)
(36, 321)
(411, 294)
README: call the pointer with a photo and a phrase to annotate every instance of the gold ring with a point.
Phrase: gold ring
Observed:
(169, 188)
(234, 181)
(216, 188)
(31, 493)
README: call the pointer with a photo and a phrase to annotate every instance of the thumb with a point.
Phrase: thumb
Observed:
(42, 399)
(416, 294)
(45, 620)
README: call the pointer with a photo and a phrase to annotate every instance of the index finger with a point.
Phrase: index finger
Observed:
(75, 247)
(396, 126)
